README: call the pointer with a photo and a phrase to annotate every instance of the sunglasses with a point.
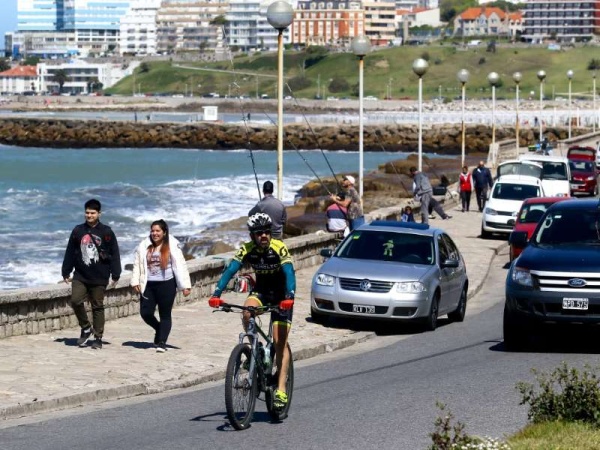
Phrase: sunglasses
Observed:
(261, 232)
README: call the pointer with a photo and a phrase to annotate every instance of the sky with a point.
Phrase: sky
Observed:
(8, 18)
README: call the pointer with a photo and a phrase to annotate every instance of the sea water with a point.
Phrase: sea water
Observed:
(43, 191)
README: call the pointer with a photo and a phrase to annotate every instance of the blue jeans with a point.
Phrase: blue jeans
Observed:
(355, 223)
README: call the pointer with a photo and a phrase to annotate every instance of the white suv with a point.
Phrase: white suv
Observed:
(504, 202)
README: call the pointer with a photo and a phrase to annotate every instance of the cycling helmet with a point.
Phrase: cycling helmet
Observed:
(259, 222)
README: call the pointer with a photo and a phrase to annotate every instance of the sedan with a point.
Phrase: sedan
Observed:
(394, 271)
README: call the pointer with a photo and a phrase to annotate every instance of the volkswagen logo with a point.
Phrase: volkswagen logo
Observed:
(365, 285)
(577, 282)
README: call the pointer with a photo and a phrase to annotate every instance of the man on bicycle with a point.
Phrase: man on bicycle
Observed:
(275, 280)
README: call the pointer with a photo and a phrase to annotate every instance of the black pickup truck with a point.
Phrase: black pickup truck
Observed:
(557, 277)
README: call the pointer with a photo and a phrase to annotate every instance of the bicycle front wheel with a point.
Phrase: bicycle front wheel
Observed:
(280, 414)
(240, 387)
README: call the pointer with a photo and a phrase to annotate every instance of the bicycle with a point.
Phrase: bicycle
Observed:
(250, 371)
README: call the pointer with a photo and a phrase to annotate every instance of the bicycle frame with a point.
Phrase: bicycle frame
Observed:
(253, 333)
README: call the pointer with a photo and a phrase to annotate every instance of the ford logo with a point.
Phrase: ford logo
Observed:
(577, 282)
(365, 285)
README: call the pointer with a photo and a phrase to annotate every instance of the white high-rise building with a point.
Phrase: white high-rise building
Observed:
(138, 28)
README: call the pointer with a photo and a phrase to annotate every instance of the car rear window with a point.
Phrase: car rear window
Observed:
(532, 213)
(510, 191)
(569, 227)
(388, 246)
(554, 171)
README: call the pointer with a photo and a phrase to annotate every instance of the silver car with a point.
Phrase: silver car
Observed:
(395, 271)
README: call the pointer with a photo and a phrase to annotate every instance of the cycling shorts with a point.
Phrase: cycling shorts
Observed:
(277, 317)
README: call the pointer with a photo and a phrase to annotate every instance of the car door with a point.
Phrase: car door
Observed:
(446, 275)
(455, 275)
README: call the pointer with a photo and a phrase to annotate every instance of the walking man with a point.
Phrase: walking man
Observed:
(273, 207)
(94, 254)
(423, 193)
(482, 179)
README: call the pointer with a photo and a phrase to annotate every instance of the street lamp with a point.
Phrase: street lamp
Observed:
(360, 46)
(595, 113)
(570, 77)
(463, 77)
(541, 76)
(280, 15)
(420, 67)
(493, 79)
(517, 79)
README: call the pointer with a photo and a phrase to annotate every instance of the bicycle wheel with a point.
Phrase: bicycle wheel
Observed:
(240, 387)
(280, 414)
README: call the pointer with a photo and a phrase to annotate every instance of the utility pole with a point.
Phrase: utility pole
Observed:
(318, 86)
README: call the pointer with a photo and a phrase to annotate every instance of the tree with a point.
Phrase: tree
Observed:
(60, 77)
(219, 21)
(4, 65)
(144, 67)
(338, 84)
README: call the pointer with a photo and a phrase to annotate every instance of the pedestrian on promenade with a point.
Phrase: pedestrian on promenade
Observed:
(465, 187)
(159, 269)
(93, 252)
(337, 217)
(482, 179)
(423, 193)
(407, 215)
(273, 207)
(351, 202)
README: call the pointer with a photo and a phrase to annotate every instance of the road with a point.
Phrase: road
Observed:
(382, 392)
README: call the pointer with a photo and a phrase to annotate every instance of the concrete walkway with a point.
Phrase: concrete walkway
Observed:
(48, 371)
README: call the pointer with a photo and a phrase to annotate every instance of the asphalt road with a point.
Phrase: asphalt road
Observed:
(382, 393)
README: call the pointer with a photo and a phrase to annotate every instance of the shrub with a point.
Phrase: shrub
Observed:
(338, 84)
(298, 83)
(425, 56)
(481, 61)
(437, 61)
(594, 64)
(566, 394)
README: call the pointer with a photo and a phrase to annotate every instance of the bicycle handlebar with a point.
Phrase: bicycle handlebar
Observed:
(229, 307)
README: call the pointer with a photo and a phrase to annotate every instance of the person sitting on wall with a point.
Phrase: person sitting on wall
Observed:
(337, 216)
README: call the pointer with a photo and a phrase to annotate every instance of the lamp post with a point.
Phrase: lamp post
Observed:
(360, 46)
(493, 79)
(541, 76)
(595, 113)
(280, 15)
(463, 77)
(570, 77)
(420, 67)
(517, 79)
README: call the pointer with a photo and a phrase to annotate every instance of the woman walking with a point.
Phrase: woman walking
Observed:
(465, 187)
(159, 269)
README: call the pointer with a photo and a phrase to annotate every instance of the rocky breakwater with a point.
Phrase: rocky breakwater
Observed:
(219, 136)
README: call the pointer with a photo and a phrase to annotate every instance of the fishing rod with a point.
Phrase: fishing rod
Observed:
(378, 134)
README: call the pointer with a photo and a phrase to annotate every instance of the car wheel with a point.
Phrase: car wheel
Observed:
(594, 193)
(432, 317)
(317, 317)
(511, 254)
(458, 315)
(515, 334)
(485, 234)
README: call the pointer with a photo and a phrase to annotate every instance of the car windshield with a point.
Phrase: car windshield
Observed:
(388, 246)
(583, 166)
(510, 191)
(554, 171)
(532, 213)
(569, 227)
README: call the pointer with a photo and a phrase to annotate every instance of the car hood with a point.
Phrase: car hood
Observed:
(561, 258)
(582, 174)
(375, 270)
(505, 205)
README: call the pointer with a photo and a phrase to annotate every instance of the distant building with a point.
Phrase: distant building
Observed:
(380, 21)
(20, 79)
(138, 28)
(487, 21)
(418, 17)
(564, 21)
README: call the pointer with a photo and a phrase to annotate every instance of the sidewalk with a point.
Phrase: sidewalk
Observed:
(48, 371)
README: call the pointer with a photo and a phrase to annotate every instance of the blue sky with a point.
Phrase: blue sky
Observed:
(8, 18)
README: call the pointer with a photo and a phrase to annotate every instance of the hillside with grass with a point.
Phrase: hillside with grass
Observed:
(386, 71)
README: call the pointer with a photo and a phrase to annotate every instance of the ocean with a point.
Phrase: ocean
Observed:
(43, 190)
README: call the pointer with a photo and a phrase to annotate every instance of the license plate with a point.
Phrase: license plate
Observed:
(575, 303)
(363, 309)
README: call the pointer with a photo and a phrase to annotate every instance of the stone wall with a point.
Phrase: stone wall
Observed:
(202, 135)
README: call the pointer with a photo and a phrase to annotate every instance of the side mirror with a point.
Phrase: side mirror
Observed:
(453, 263)
(518, 238)
(326, 253)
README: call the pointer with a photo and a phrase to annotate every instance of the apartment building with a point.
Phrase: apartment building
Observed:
(19, 79)
(331, 22)
(486, 20)
(138, 34)
(380, 21)
(564, 20)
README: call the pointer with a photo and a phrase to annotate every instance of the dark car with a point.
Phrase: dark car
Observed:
(557, 277)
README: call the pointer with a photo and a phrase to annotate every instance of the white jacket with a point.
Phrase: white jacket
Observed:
(140, 265)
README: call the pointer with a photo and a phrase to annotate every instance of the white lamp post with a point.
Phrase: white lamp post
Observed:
(493, 79)
(595, 113)
(280, 15)
(541, 76)
(463, 77)
(360, 46)
(420, 67)
(517, 79)
(570, 77)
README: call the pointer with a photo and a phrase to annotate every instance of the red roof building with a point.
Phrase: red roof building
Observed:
(20, 79)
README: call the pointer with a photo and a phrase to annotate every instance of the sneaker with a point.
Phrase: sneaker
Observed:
(280, 400)
(85, 335)
(447, 217)
(161, 347)
(97, 344)
(431, 216)
(156, 341)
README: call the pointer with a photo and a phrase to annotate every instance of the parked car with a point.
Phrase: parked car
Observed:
(556, 279)
(556, 174)
(504, 202)
(581, 153)
(584, 177)
(395, 271)
(518, 167)
(532, 210)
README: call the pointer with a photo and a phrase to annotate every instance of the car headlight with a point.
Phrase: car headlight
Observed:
(324, 280)
(491, 212)
(591, 178)
(410, 287)
(522, 276)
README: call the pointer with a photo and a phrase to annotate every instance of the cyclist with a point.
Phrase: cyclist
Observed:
(275, 280)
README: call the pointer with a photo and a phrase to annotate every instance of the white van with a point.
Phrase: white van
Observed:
(504, 202)
(556, 174)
